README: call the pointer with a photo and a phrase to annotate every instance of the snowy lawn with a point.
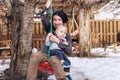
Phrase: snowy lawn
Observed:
(107, 68)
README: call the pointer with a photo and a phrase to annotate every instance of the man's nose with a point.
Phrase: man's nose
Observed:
(57, 21)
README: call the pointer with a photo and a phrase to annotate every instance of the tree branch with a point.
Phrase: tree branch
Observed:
(8, 3)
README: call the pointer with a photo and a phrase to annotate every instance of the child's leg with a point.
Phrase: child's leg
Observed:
(56, 52)
(66, 69)
(66, 65)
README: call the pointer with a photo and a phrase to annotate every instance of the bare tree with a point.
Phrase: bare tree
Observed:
(21, 16)
(85, 10)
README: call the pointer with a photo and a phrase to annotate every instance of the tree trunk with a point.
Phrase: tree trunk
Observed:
(22, 23)
(84, 33)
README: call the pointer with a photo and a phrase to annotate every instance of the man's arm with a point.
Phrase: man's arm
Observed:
(47, 5)
(44, 18)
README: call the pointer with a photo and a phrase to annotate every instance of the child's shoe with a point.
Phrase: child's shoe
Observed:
(69, 77)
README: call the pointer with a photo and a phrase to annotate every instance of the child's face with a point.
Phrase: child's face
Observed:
(61, 32)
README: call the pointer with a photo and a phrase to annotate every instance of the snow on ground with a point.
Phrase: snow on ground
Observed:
(99, 68)
(107, 68)
(108, 52)
(95, 68)
(4, 66)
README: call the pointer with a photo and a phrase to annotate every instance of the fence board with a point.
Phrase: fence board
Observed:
(1, 29)
(115, 31)
(110, 31)
(104, 32)
(118, 28)
(101, 35)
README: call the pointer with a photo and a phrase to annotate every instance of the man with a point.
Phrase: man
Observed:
(59, 18)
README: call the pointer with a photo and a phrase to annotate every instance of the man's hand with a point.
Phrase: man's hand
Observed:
(49, 35)
(54, 39)
(47, 4)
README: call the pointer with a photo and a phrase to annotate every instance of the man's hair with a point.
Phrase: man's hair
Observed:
(62, 15)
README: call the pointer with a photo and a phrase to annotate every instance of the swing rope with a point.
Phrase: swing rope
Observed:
(50, 27)
(73, 21)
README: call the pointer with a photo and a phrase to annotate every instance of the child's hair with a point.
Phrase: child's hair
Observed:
(62, 27)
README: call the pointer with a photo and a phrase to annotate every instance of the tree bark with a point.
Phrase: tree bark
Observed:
(84, 33)
(21, 46)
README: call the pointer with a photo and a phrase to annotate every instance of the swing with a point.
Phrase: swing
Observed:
(45, 65)
(72, 25)
(73, 20)
(74, 32)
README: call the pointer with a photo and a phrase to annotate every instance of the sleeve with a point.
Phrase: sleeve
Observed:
(47, 43)
(46, 23)
(67, 48)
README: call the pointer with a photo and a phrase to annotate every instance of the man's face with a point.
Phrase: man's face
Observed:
(57, 21)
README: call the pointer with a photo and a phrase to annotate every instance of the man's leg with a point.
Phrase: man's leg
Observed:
(35, 60)
(57, 67)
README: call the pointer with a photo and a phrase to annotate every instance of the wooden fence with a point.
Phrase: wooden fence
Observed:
(102, 33)
(38, 35)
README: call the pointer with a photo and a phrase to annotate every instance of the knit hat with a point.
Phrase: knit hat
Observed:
(62, 15)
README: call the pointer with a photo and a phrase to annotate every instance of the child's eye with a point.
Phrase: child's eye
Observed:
(61, 31)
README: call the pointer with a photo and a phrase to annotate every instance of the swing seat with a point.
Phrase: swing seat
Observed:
(46, 66)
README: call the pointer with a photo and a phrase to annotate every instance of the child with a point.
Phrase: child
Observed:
(60, 33)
